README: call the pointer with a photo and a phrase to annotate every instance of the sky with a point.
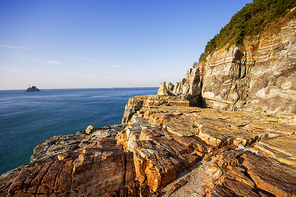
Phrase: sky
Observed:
(56, 44)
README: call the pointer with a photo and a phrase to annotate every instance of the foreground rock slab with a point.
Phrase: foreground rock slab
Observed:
(237, 173)
(91, 171)
(160, 136)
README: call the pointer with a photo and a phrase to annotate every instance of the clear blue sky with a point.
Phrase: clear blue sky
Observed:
(102, 43)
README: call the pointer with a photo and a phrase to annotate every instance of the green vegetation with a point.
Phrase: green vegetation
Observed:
(250, 20)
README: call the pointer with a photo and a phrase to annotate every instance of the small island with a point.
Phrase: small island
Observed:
(32, 89)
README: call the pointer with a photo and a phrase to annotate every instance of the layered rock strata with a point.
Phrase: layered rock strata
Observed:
(241, 173)
(136, 103)
(91, 171)
(155, 147)
(66, 143)
(258, 76)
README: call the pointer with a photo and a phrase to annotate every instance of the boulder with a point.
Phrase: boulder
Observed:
(89, 129)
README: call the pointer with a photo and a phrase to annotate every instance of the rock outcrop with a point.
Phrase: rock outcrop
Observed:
(259, 76)
(189, 88)
(136, 103)
(66, 143)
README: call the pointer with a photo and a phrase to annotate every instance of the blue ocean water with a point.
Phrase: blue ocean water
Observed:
(29, 118)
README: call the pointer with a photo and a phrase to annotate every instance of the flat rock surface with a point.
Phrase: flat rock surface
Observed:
(218, 128)
(281, 148)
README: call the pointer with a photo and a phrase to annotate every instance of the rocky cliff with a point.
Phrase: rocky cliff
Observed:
(136, 103)
(241, 143)
(258, 76)
(166, 149)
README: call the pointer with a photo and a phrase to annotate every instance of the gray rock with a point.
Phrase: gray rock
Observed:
(260, 76)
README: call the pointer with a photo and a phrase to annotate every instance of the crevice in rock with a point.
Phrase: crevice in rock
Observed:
(55, 180)
(124, 171)
(256, 189)
(46, 171)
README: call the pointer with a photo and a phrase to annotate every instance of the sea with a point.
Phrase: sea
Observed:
(29, 118)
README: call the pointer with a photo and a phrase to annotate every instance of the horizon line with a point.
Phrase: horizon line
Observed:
(84, 88)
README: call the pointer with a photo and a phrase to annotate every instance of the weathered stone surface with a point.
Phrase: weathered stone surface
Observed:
(181, 128)
(250, 175)
(162, 136)
(136, 103)
(89, 129)
(217, 127)
(163, 89)
(188, 88)
(98, 168)
(67, 143)
(276, 179)
(158, 157)
(181, 183)
(158, 143)
(55, 145)
(281, 148)
(94, 170)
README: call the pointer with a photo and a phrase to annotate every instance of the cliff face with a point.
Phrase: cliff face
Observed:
(257, 77)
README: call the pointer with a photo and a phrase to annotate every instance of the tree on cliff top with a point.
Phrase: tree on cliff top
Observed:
(249, 21)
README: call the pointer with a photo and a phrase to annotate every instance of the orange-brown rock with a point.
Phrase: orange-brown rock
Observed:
(281, 148)
(158, 155)
(274, 178)
(157, 144)
(253, 175)
(181, 183)
(57, 145)
(156, 130)
(217, 127)
(94, 170)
